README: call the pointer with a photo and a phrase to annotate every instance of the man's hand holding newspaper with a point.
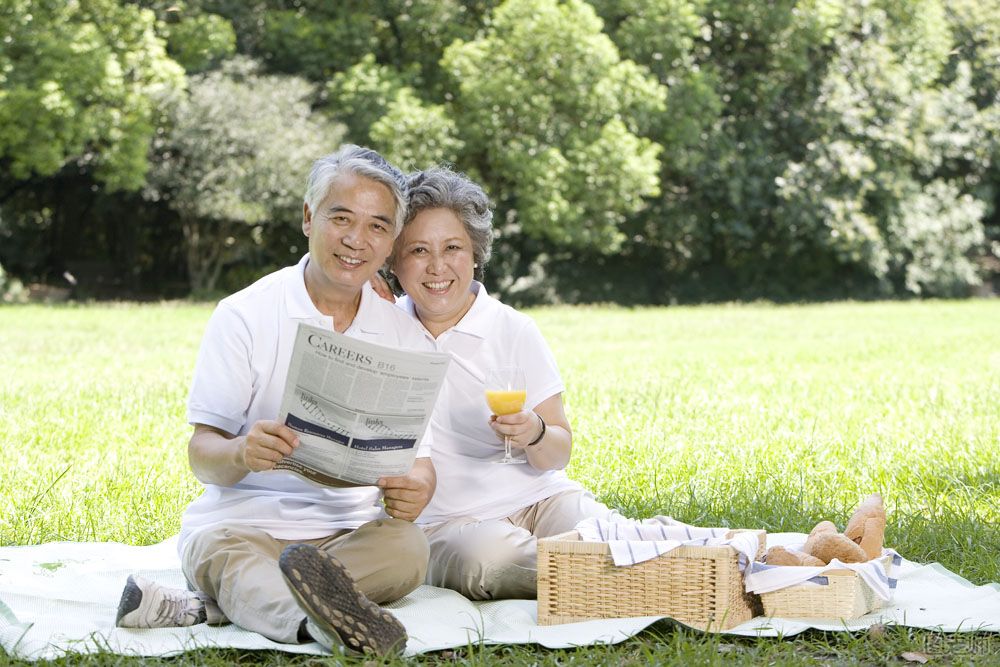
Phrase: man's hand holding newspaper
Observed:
(266, 444)
(405, 496)
(357, 412)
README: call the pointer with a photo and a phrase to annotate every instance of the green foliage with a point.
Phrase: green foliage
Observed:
(317, 39)
(415, 135)
(200, 42)
(736, 73)
(361, 95)
(547, 123)
(236, 158)
(246, 16)
(975, 26)
(317, 44)
(833, 216)
(716, 148)
(867, 188)
(799, 136)
(80, 82)
(664, 36)
(660, 33)
(932, 237)
(412, 37)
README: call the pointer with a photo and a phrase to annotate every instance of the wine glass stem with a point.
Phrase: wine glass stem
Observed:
(506, 446)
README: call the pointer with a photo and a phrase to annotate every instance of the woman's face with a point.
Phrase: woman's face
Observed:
(434, 264)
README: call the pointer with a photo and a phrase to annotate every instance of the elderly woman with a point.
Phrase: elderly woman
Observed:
(483, 520)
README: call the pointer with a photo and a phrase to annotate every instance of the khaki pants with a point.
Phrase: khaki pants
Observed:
(498, 559)
(237, 566)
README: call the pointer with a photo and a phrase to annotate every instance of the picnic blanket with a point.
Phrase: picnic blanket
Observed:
(61, 598)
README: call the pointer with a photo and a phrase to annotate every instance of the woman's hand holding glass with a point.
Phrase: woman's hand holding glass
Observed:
(520, 428)
(505, 394)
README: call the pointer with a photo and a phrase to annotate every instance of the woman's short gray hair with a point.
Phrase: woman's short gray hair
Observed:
(440, 187)
(351, 159)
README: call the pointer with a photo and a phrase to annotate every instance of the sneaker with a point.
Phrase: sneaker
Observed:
(338, 614)
(147, 604)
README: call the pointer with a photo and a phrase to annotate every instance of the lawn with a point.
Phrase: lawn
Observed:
(745, 415)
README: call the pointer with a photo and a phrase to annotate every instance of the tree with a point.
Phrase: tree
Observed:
(200, 41)
(876, 187)
(552, 128)
(415, 135)
(234, 160)
(801, 139)
(80, 82)
(975, 25)
(316, 39)
(360, 95)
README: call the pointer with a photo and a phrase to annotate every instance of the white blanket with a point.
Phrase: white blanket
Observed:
(60, 598)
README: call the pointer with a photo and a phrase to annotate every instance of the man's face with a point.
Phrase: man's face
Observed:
(350, 235)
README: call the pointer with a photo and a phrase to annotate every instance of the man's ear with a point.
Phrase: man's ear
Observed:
(306, 219)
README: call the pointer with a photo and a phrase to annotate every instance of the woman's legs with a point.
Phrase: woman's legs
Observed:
(490, 560)
(482, 560)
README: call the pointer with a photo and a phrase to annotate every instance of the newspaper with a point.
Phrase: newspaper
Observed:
(359, 409)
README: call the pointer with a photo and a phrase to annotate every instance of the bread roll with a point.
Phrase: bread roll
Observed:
(827, 546)
(782, 556)
(873, 537)
(824, 527)
(871, 507)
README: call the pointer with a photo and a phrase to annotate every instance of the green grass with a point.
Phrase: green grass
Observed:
(750, 416)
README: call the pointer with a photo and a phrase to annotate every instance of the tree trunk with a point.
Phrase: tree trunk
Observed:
(205, 247)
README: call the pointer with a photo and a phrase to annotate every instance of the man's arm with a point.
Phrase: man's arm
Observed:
(407, 495)
(218, 457)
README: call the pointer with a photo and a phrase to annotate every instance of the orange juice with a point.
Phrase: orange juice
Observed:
(505, 402)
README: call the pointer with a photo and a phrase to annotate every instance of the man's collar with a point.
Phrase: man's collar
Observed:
(298, 304)
(371, 314)
(370, 317)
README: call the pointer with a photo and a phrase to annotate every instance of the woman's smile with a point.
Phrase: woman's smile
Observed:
(434, 263)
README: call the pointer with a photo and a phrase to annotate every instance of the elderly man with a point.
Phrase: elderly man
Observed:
(279, 555)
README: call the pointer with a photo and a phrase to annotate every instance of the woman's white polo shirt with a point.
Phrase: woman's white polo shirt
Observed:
(491, 334)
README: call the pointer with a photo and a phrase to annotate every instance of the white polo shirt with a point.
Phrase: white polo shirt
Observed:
(491, 334)
(239, 379)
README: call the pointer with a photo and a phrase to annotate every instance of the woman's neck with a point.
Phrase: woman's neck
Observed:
(437, 326)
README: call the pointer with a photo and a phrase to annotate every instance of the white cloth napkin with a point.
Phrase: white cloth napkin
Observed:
(634, 541)
(763, 578)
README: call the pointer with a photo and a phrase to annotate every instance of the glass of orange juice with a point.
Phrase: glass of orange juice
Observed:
(505, 394)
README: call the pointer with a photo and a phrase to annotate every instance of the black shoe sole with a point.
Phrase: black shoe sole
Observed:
(131, 598)
(327, 594)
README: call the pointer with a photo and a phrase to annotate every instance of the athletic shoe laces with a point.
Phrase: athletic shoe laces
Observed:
(176, 608)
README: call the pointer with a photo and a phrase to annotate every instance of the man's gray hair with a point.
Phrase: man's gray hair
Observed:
(351, 159)
(440, 187)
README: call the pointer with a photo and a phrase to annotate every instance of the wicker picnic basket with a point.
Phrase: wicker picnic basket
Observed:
(699, 586)
(845, 596)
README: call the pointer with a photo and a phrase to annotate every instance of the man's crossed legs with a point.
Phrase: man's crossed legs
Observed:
(326, 589)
